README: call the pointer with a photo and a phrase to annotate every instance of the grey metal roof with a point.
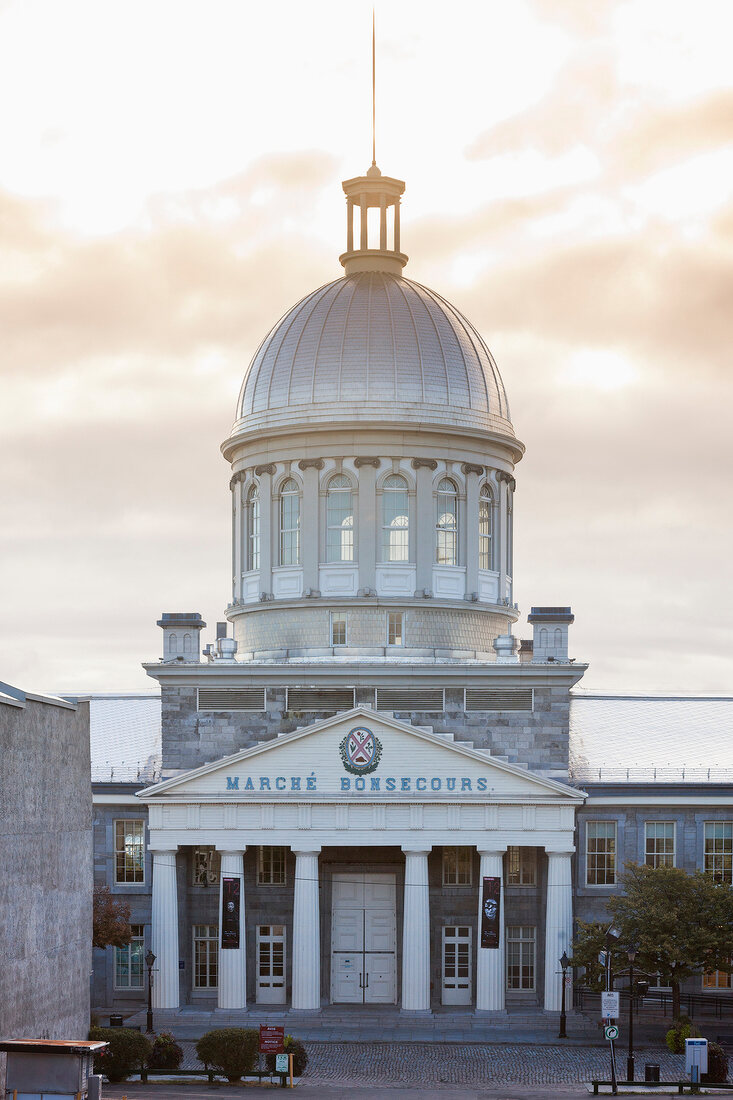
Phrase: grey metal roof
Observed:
(375, 347)
(651, 738)
(612, 738)
(125, 735)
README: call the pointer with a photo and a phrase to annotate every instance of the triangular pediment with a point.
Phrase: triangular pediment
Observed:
(361, 753)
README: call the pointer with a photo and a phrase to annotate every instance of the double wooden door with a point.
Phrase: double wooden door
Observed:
(363, 939)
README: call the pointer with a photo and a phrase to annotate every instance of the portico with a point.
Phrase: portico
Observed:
(364, 804)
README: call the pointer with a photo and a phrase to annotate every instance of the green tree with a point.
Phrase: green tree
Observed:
(681, 924)
(110, 919)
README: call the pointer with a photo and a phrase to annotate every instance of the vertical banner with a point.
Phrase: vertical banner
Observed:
(490, 912)
(230, 913)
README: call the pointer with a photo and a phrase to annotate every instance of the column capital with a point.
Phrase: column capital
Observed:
(417, 849)
(225, 850)
(553, 850)
(367, 461)
(310, 850)
(265, 468)
(159, 850)
(491, 849)
(311, 464)
(424, 463)
(472, 468)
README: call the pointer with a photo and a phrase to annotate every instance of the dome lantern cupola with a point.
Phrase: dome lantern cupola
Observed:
(373, 242)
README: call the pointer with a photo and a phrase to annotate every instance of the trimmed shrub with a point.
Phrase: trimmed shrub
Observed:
(298, 1051)
(717, 1066)
(166, 1053)
(127, 1053)
(681, 1029)
(229, 1050)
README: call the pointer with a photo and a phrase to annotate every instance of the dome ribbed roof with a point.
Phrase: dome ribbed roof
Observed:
(373, 347)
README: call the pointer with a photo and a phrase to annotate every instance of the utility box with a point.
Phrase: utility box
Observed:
(696, 1058)
(47, 1069)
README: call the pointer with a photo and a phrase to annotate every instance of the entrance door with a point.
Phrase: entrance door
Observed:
(271, 964)
(456, 964)
(363, 939)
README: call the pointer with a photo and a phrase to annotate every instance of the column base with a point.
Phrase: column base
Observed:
(491, 1013)
(304, 1011)
(416, 1012)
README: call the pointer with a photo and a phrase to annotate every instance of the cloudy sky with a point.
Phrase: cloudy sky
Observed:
(170, 184)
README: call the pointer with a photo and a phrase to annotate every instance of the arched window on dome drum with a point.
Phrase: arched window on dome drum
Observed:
(289, 523)
(395, 519)
(485, 533)
(446, 526)
(253, 528)
(339, 520)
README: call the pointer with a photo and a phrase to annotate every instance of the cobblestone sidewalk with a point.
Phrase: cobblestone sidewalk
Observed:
(472, 1064)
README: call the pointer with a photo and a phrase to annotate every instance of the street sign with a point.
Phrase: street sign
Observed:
(272, 1039)
(610, 1008)
(281, 1063)
(603, 958)
(611, 1032)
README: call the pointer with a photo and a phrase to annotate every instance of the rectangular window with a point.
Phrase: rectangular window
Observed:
(659, 843)
(338, 628)
(601, 853)
(129, 851)
(394, 628)
(129, 965)
(719, 850)
(718, 979)
(206, 866)
(205, 956)
(457, 864)
(520, 957)
(271, 866)
(521, 866)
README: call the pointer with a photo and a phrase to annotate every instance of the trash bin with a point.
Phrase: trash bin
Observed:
(651, 1072)
(115, 1021)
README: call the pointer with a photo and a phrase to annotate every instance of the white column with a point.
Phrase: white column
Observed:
(503, 534)
(490, 969)
(306, 933)
(269, 526)
(369, 524)
(237, 540)
(470, 526)
(425, 523)
(233, 964)
(416, 933)
(558, 927)
(310, 523)
(164, 938)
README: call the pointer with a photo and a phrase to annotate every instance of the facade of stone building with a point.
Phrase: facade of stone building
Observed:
(46, 886)
(366, 744)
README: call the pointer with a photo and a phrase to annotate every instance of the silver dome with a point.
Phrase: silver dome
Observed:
(373, 347)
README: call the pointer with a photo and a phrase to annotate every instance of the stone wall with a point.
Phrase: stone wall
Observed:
(46, 882)
(463, 631)
(538, 738)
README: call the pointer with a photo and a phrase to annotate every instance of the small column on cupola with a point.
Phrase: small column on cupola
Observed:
(373, 244)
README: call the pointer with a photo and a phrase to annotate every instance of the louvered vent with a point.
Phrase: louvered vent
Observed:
(231, 699)
(424, 699)
(323, 699)
(494, 699)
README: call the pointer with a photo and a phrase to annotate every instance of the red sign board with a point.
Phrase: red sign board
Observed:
(272, 1040)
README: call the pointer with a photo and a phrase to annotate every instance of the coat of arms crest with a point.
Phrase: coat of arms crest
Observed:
(360, 751)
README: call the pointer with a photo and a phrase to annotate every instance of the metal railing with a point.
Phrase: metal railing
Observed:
(659, 1002)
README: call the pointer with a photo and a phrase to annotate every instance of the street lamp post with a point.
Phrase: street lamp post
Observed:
(564, 963)
(630, 1060)
(150, 963)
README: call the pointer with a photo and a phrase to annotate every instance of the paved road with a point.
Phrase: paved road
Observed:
(313, 1091)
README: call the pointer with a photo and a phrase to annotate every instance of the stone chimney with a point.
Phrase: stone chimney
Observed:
(550, 641)
(181, 635)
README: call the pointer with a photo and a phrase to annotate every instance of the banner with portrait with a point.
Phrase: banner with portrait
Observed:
(230, 900)
(490, 912)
